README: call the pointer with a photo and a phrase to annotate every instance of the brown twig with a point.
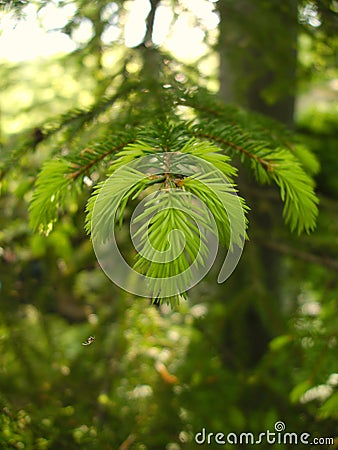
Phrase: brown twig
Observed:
(150, 23)
(127, 443)
(84, 169)
(263, 162)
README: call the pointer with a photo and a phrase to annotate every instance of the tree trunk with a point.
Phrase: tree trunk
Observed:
(258, 57)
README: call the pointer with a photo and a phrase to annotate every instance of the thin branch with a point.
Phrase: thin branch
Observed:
(305, 256)
(150, 23)
(45, 131)
(87, 114)
(326, 203)
(263, 162)
(84, 169)
(128, 442)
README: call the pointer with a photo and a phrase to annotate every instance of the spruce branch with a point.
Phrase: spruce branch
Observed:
(51, 189)
(151, 122)
(270, 163)
(177, 218)
(58, 177)
(90, 157)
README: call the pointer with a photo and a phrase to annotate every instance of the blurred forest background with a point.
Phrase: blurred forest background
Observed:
(239, 356)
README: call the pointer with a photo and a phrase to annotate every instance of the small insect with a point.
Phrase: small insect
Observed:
(89, 340)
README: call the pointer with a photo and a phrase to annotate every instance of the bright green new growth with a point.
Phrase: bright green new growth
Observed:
(195, 196)
(150, 119)
(173, 233)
